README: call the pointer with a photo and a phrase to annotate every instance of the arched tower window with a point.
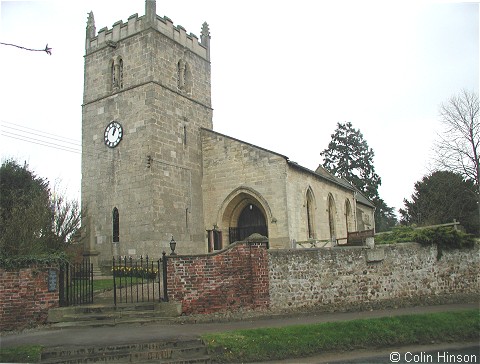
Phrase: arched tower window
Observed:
(120, 73)
(115, 71)
(116, 225)
(310, 204)
(111, 70)
(332, 211)
(184, 76)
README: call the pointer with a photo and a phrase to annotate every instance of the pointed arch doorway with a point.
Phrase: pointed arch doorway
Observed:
(243, 213)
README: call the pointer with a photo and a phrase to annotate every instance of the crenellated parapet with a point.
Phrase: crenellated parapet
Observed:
(109, 37)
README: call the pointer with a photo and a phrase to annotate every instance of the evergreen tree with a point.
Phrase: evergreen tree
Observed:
(440, 198)
(385, 217)
(348, 156)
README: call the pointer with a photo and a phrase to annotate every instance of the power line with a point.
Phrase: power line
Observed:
(40, 142)
(49, 140)
(9, 125)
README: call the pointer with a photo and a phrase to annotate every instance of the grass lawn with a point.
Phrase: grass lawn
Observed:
(306, 340)
(102, 284)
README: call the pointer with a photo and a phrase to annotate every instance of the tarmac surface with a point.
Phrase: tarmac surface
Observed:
(150, 332)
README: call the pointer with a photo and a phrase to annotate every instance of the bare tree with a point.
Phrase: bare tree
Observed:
(457, 148)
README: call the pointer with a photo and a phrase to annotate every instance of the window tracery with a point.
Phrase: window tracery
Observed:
(116, 74)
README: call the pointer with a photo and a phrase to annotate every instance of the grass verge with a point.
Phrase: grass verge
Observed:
(21, 354)
(306, 340)
(107, 284)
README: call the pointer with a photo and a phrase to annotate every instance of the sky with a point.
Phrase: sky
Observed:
(284, 74)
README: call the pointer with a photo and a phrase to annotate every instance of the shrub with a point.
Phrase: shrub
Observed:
(446, 238)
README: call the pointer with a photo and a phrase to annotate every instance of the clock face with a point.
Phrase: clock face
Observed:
(113, 134)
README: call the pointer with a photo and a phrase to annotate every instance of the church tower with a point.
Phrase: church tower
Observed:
(147, 94)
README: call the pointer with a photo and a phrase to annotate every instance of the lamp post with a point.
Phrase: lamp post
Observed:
(173, 244)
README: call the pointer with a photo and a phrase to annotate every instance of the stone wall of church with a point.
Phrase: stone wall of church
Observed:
(299, 182)
(354, 277)
(231, 166)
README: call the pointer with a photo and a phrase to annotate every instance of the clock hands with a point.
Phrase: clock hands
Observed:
(113, 133)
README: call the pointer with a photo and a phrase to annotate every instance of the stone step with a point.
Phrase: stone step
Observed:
(167, 351)
(111, 320)
(108, 315)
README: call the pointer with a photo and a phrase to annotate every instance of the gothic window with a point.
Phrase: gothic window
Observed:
(348, 215)
(331, 217)
(116, 225)
(120, 73)
(310, 215)
(184, 76)
(113, 81)
(181, 74)
(115, 71)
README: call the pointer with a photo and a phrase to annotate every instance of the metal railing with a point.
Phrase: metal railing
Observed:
(139, 280)
(76, 283)
(240, 233)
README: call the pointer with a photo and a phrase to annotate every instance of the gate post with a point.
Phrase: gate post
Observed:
(164, 262)
(91, 282)
(114, 282)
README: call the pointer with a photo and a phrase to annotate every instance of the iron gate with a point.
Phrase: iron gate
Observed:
(140, 280)
(76, 283)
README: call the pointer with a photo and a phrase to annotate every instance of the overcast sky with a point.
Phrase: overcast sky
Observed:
(283, 74)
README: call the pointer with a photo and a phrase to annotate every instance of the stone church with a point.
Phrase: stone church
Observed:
(153, 168)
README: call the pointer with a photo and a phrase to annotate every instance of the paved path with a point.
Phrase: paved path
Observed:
(135, 333)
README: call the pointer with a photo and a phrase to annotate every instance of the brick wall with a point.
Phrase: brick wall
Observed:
(24, 298)
(340, 278)
(234, 278)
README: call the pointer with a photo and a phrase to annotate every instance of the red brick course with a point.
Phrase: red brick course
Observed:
(24, 298)
(236, 277)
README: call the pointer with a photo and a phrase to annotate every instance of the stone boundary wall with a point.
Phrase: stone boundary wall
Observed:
(356, 276)
(24, 298)
(231, 279)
